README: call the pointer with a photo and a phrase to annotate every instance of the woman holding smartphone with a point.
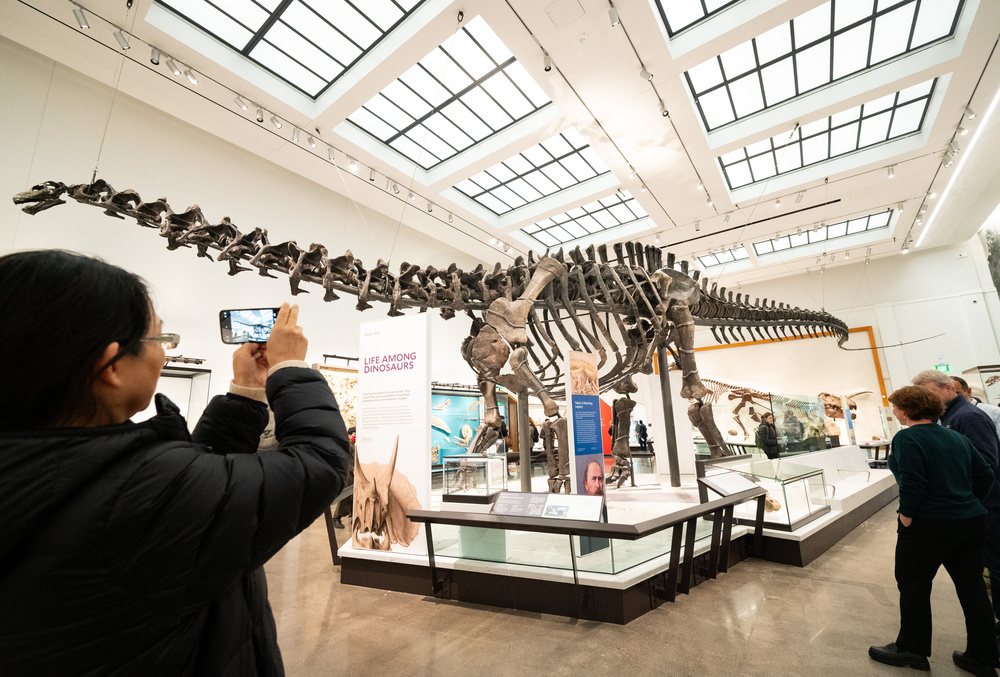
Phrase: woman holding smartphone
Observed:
(137, 548)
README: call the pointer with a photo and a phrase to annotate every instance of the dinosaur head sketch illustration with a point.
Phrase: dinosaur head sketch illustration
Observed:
(381, 498)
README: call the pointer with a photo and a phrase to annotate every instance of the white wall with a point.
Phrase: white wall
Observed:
(53, 119)
(904, 298)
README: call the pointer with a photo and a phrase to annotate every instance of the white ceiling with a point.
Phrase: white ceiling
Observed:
(595, 88)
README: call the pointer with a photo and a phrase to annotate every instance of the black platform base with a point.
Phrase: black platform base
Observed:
(800, 553)
(525, 594)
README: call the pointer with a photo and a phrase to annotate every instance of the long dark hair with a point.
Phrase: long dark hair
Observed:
(60, 311)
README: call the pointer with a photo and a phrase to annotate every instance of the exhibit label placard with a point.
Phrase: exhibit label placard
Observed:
(391, 473)
(584, 414)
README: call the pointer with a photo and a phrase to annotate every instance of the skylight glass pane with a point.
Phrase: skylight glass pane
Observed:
(319, 32)
(609, 212)
(881, 103)
(817, 145)
(219, 24)
(936, 21)
(708, 260)
(850, 50)
(499, 96)
(541, 170)
(892, 31)
(835, 230)
(287, 68)
(307, 43)
(822, 49)
(779, 82)
(741, 253)
(724, 256)
(678, 15)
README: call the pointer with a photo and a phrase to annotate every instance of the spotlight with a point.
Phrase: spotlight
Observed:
(969, 113)
(295, 134)
(631, 172)
(81, 17)
(701, 186)
(412, 197)
(807, 272)
(154, 57)
(240, 102)
(663, 110)
(371, 175)
(822, 269)
(395, 188)
(777, 203)
(430, 207)
(493, 240)
(173, 67)
(451, 218)
(645, 75)
(906, 247)
(798, 231)
(892, 171)
(833, 257)
(899, 207)
(120, 37)
(697, 226)
(818, 260)
(500, 245)
(657, 238)
(192, 79)
(798, 198)
(815, 227)
(726, 220)
(931, 196)
(708, 200)
(847, 255)
(949, 162)
(353, 165)
(868, 260)
(260, 114)
(331, 155)
(509, 250)
(548, 63)
(869, 252)
(962, 131)
(953, 148)
(311, 141)
(613, 15)
(923, 210)
(276, 122)
(643, 188)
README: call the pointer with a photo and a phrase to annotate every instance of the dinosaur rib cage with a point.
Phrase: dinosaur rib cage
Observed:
(598, 304)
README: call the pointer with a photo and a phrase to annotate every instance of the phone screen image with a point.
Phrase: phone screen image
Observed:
(251, 325)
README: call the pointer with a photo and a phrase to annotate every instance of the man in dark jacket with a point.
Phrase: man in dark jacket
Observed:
(136, 549)
(962, 416)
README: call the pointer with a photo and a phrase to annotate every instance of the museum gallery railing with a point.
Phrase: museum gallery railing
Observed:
(680, 571)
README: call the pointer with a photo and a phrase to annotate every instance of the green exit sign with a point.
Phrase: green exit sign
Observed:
(942, 367)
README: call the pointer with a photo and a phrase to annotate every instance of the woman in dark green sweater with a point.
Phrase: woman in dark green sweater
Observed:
(942, 479)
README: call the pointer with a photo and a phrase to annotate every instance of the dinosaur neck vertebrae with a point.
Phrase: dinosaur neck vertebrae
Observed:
(629, 304)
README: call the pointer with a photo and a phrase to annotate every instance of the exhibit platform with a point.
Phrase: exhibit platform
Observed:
(616, 580)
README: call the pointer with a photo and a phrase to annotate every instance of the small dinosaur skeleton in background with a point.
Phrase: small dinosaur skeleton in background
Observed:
(623, 308)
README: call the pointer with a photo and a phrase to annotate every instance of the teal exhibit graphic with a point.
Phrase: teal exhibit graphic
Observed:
(454, 422)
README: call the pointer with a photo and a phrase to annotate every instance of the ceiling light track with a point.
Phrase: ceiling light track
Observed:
(752, 223)
(240, 104)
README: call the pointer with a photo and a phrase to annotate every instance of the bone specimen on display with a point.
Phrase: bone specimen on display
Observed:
(622, 306)
(381, 498)
(620, 450)
(556, 454)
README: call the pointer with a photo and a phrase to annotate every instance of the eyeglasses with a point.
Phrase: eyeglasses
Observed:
(169, 341)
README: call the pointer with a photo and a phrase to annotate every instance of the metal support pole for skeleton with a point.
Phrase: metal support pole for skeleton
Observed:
(524, 440)
(668, 419)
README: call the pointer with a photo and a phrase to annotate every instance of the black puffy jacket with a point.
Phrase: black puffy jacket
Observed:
(132, 550)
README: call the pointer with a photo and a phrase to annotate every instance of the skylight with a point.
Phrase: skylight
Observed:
(875, 122)
(830, 42)
(464, 91)
(678, 15)
(546, 168)
(823, 233)
(307, 43)
(723, 256)
(604, 214)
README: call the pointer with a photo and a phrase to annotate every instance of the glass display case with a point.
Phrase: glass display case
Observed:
(797, 493)
(799, 420)
(474, 478)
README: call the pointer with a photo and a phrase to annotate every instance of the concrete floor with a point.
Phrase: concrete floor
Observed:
(759, 619)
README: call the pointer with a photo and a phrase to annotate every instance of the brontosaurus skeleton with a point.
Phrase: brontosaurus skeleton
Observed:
(631, 304)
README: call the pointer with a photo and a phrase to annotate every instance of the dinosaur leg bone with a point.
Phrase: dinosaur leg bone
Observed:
(680, 315)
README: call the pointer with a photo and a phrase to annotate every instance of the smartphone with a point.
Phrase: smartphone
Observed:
(249, 325)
